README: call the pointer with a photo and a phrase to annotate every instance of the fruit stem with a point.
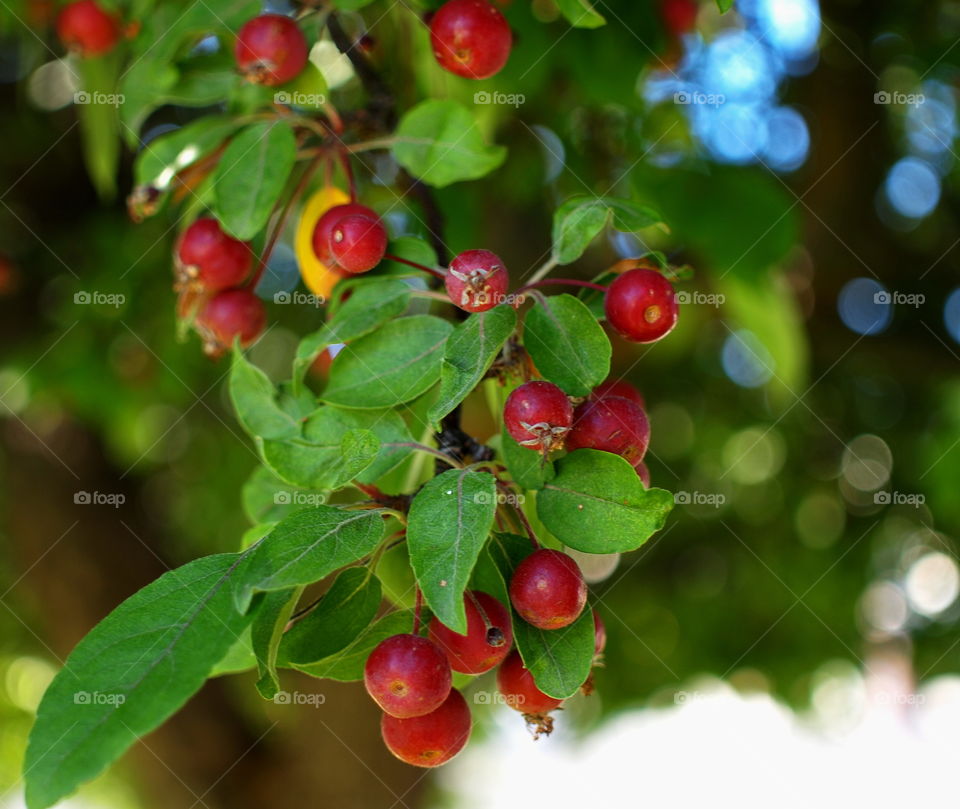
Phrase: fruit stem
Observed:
(570, 282)
(417, 607)
(447, 459)
(414, 264)
(542, 271)
(523, 517)
(348, 171)
(281, 221)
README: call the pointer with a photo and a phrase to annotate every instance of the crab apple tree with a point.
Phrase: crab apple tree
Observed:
(280, 167)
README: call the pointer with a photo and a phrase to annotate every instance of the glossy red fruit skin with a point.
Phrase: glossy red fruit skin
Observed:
(545, 409)
(471, 653)
(85, 28)
(548, 590)
(271, 49)
(612, 424)
(470, 38)
(641, 306)
(520, 692)
(407, 676)
(358, 242)
(323, 230)
(230, 314)
(618, 387)
(599, 634)
(477, 280)
(432, 739)
(643, 473)
(210, 259)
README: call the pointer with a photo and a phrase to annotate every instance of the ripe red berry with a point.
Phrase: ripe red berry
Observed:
(618, 387)
(228, 315)
(613, 424)
(432, 739)
(407, 676)
(548, 589)
(470, 38)
(350, 237)
(599, 634)
(477, 280)
(271, 49)
(488, 639)
(520, 691)
(641, 306)
(358, 242)
(208, 259)
(86, 29)
(538, 415)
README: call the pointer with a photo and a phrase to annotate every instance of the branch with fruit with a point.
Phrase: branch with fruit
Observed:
(369, 489)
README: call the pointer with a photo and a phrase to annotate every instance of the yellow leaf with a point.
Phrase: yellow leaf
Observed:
(319, 278)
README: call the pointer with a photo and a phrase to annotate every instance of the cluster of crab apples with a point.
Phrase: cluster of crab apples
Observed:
(469, 38)
(426, 721)
(214, 271)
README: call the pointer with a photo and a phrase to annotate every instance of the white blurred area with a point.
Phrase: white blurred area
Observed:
(869, 740)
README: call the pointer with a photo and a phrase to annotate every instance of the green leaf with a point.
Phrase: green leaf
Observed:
(558, 659)
(267, 498)
(394, 364)
(306, 547)
(239, 657)
(439, 142)
(448, 524)
(133, 670)
(526, 466)
(312, 465)
(567, 344)
(160, 159)
(255, 399)
(725, 5)
(597, 504)
(470, 351)
(387, 425)
(251, 175)
(581, 13)
(347, 664)
(169, 31)
(371, 304)
(266, 632)
(580, 219)
(99, 117)
(343, 613)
